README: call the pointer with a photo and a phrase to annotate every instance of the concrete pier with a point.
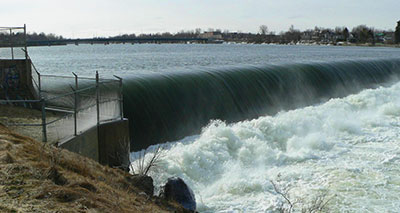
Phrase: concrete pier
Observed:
(107, 143)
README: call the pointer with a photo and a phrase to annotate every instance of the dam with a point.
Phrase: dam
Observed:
(168, 107)
(234, 117)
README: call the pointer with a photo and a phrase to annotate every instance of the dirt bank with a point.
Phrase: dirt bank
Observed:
(41, 178)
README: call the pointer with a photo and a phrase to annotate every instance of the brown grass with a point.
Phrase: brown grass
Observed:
(18, 115)
(35, 177)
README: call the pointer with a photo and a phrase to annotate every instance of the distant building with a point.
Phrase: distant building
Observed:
(211, 35)
(389, 38)
(306, 36)
(380, 37)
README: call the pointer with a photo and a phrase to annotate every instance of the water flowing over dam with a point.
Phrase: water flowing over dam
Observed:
(319, 119)
(169, 106)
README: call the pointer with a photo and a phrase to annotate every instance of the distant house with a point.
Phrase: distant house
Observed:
(338, 37)
(389, 38)
(326, 36)
(306, 36)
(352, 38)
(211, 35)
(380, 37)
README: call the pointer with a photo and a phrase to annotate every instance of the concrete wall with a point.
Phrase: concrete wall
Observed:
(16, 79)
(114, 143)
(108, 143)
(85, 144)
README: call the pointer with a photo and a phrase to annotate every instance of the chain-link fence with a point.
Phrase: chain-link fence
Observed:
(68, 105)
(35, 78)
(86, 102)
(75, 104)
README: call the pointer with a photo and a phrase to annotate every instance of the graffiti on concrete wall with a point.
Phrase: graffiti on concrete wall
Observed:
(10, 78)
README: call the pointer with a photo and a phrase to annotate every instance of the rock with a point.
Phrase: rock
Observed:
(142, 182)
(177, 190)
(7, 158)
(53, 174)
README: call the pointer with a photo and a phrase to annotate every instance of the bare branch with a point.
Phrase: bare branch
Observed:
(283, 194)
(143, 166)
(319, 203)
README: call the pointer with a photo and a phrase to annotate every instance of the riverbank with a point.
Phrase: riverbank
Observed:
(35, 177)
(20, 115)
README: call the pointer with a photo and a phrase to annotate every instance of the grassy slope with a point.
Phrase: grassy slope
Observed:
(41, 178)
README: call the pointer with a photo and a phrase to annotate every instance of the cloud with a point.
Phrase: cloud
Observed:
(84, 18)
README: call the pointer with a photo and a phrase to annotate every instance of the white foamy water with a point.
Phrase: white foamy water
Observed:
(348, 148)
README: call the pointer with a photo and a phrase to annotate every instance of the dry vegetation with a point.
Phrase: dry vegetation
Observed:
(41, 178)
(143, 166)
(315, 204)
(21, 115)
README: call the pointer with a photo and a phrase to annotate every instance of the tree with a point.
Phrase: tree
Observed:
(291, 29)
(371, 34)
(346, 34)
(292, 35)
(397, 33)
(263, 29)
(362, 33)
(338, 30)
(197, 31)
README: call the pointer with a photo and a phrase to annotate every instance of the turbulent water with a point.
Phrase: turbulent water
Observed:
(313, 122)
(348, 148)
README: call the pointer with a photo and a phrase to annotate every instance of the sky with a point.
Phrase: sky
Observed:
(89, 18)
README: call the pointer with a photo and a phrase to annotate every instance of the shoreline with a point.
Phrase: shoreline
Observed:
(242, 43)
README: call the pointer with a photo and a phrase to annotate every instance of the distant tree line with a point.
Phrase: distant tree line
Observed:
(181, 34)
(19, 36)
(361, 34)
(42, 37)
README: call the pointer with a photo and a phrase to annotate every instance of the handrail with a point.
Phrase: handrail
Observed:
(58, 119)
(33, 65)
(56, 76)
(34, 68)
(21, 124)
(16, 28)
(70, 93)
(103, 80)
(18, 101)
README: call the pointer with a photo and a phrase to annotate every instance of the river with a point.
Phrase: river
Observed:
(334, 128)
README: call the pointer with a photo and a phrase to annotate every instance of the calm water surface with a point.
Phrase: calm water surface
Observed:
(142, 59)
